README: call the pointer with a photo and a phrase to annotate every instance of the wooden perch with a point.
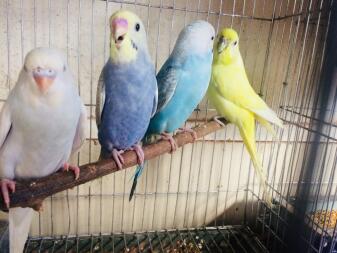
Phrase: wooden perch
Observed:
(31, 193)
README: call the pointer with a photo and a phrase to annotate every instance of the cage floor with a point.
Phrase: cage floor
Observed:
(210, 239)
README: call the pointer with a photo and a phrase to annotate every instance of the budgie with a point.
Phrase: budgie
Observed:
(182, 83)
(127, 91)
(233, 97)
(41, 124)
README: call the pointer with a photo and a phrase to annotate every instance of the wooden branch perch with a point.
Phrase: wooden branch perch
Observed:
(31, 193)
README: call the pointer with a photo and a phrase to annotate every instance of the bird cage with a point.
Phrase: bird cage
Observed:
(205, 197)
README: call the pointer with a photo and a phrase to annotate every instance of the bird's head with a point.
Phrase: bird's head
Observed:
(226, 46)
(196, 38)
(128, 36)
(42, 67)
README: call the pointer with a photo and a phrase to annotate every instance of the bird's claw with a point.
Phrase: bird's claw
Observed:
(168, 137)
(118, 158)
(6, 185)
(188, 130)
(75, 169)
(217, 120)
(139, 152)
(38, 207)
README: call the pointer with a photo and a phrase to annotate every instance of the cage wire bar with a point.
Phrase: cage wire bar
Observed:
(205, 197)
(326, 101)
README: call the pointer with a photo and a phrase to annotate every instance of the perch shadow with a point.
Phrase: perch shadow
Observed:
(31, 193)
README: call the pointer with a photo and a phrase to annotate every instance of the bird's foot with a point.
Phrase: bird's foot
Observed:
(6, 185)
(75, 169)
(168, 137)
(217, 120)
(140, 153)
(118, 158)
(188, 130)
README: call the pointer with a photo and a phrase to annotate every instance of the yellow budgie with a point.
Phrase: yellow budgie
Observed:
(233, 97)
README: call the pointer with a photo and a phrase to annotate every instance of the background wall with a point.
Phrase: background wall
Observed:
(200, 183)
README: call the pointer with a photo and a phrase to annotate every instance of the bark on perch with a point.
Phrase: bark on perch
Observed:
(31, 193)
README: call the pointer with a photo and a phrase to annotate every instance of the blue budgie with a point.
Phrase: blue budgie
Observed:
(182, 83)
(127, 89)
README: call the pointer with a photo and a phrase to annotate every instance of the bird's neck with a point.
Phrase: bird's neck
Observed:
(35, 98)
(226, 60)
(125, 54)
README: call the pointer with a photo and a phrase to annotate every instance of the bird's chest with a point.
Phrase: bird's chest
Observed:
(129, 94)
(128, 91)
(192, 86)
(226, 79)
(41, 123)
(42, 136)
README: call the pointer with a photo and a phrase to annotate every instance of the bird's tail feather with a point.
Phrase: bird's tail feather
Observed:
(147, 139)
(138, 173)
(247, 131)
(19, 225)
(267, 125)
(268, 115)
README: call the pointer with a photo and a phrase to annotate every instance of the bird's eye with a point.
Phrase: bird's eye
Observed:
(137, 27)
(212, 38)
(235, 43)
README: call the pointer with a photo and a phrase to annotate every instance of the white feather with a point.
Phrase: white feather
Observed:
(269, 115)
(19, 224)
(42, 136)
(197, 37)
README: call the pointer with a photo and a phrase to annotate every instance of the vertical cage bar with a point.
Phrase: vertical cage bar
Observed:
(327, 82)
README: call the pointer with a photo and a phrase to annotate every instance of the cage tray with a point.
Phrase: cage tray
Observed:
(210, 239)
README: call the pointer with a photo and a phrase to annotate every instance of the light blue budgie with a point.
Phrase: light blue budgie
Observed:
(182, 83)
(127, 90)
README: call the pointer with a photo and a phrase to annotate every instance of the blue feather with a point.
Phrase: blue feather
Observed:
(138, 173)
(182, 81)
(193, 76)
(130, 95)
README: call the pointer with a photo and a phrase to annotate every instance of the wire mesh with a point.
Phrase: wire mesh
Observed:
(212, 182)
(219, 239)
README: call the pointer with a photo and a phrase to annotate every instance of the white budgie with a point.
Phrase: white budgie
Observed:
(41, 124)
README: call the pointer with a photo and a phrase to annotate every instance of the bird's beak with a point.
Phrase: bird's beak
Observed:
(44, 78)
(119, 28)
(222, 44)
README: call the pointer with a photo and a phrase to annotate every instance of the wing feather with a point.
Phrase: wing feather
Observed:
(80, 131)
(5, 123)
(167, 80)
(100, 99)
(236, 88)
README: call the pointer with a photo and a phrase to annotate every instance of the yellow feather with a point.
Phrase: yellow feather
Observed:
(126, 52)
(233, 97)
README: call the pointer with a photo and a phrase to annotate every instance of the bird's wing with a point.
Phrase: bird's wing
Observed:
(167, 80)
(155, 100)
(234, 86)
(80, 130)
(5, 123)
(100, 99)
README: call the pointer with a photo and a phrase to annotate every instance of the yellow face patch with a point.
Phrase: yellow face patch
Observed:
(226, 48)
(126, 50)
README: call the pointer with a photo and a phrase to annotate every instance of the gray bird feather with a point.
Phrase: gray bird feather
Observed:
(100, 99)
(167, 80)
